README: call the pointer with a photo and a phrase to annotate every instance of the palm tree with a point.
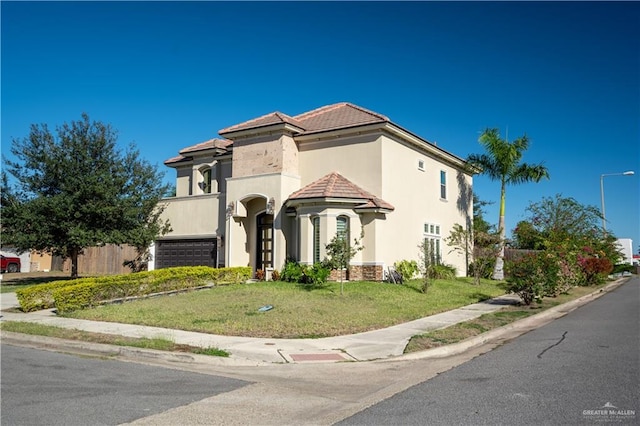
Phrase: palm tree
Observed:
(502, 162)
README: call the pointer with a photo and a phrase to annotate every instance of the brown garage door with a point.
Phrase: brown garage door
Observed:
(185, 253)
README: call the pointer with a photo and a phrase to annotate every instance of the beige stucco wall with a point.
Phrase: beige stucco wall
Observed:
(416, 196)
(183, 181)
(358, 158)
(194, 215)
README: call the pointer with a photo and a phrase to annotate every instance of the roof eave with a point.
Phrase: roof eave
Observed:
(260, 130)
(373, 210)
(432, 148)
(339, 131)
(293, 202)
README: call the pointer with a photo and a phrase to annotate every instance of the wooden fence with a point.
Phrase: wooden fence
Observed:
(513, 254)
(106, 260)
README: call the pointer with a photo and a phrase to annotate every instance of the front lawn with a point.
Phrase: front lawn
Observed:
(298, 312)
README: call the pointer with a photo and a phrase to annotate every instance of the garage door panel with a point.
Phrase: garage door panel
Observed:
(201, 252)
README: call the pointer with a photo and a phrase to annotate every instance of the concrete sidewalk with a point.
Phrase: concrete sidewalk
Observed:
(372, 345)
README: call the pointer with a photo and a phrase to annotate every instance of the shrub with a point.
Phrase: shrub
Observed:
(275, 275)
(292, 272)
(41, 296)
(482, 268)
(595, 269)
(75, 294)
(260, 274)
(622, 267)
(532, 276)
(569, 273)
(316, 275)
(442, 272)
(406, 268)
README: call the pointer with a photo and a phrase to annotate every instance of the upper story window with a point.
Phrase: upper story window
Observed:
(206, 181)
(443, 184)
(421, 165)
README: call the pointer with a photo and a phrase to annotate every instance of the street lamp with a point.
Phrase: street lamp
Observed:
(604, 220)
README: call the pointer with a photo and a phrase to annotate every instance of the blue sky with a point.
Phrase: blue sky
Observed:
(167, 75)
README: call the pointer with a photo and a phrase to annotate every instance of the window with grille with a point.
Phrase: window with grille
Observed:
(443, 184)
(316, 239)
(432, 239)
(343, 227)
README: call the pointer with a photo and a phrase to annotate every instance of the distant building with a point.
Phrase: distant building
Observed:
(626, 247)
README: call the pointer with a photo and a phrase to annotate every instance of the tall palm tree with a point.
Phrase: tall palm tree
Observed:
(502, 162)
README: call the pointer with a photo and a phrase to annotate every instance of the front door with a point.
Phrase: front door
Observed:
(264, 252)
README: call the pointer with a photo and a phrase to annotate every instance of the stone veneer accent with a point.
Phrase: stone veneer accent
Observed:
(360, 273)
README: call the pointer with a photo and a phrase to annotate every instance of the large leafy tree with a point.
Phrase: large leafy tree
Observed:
(562, 223)
(77, 189)
(502, 162)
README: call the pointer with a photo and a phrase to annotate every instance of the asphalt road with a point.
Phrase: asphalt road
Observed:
(48, 388)
(580, 369)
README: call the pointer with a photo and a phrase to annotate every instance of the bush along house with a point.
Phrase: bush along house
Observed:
(280, 187)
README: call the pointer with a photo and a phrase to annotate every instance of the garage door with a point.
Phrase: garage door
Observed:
(186, 253)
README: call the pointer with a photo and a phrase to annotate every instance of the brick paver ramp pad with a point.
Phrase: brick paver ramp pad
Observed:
(316, 357)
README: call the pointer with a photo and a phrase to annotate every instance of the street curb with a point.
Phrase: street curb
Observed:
(114, 351)
(510, 331)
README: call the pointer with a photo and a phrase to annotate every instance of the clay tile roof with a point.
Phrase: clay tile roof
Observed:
(265, 120)
(174, 160)
(334, 185)
(210, 144)
(337, 116)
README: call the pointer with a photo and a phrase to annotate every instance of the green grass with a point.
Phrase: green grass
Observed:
(299, 312)
(459, 332)
(157, 343)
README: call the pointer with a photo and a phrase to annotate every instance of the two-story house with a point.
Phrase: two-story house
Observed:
(278, 187)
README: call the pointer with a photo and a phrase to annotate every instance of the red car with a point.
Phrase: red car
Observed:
(10, 264)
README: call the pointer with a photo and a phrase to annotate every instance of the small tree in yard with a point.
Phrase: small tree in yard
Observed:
(78, 190)
(427, 260)
(482, 246)
(340, 253)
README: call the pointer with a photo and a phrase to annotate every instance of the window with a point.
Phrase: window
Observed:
(443, 184)
(343, 227)
(431, 235)
(206, 181)
(421, 165)
(316, 239)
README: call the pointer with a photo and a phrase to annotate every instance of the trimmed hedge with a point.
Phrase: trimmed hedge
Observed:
(40, 296)
(88, 292)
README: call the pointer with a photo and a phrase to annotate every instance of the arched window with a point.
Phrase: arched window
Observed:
(342, 229)
(206, 181)
(315, 222)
